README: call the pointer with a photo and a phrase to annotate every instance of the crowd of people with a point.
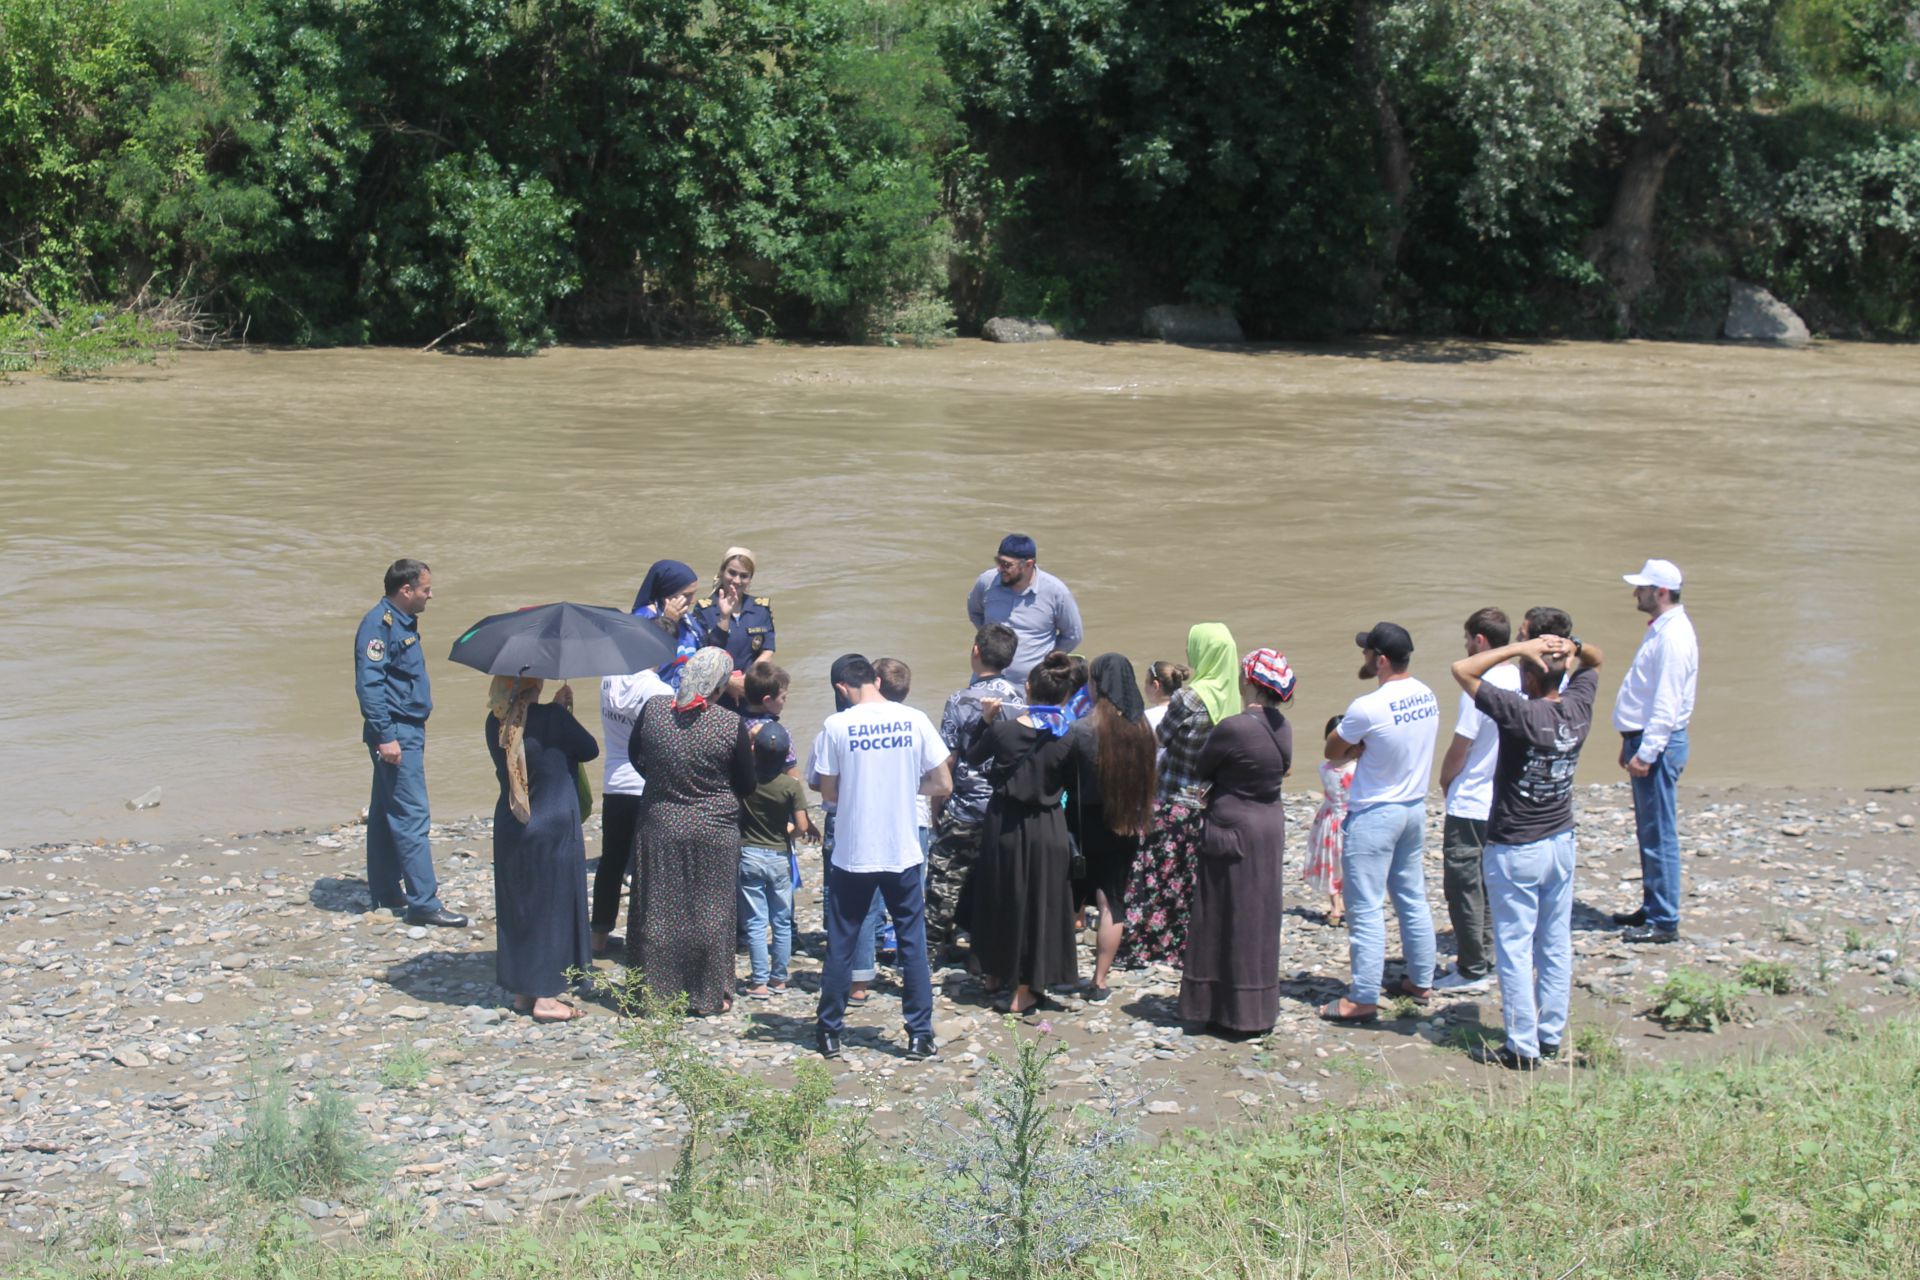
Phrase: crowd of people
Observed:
(1056, 792)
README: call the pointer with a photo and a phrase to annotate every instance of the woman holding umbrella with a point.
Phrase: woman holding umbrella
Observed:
(697, 759)
(539, 893)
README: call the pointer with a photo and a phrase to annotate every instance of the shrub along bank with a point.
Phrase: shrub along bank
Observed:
(1796, 1165)
(318, 171)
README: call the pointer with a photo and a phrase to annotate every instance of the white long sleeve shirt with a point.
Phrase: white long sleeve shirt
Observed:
(620, 699)
(1656, 697)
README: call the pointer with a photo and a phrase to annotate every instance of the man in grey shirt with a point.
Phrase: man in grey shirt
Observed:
(1037, 605)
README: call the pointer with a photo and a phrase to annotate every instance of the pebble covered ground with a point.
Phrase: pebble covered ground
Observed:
(146, 988)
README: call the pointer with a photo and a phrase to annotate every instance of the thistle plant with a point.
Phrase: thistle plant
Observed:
(1024, 1181)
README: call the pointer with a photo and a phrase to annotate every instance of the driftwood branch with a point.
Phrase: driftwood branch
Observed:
(448, 334)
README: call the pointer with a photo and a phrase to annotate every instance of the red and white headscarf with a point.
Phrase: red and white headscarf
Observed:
(1268, 668)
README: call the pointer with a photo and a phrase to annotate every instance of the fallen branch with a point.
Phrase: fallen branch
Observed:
(448, 334)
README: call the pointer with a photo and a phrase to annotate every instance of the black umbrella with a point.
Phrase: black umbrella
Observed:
(563, 642)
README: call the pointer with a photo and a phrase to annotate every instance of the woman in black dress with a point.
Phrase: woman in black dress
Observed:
(1230, 981)
(697, 758)
(1023, 908)
(1109, 800)
(539, 857)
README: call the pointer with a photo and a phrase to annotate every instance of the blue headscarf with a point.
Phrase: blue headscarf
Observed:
(1052, 721)
(668, 578)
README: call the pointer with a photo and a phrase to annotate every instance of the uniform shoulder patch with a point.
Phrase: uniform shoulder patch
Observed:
(376, 650)
(387, 617)
(704, 602)
(763, 600)
(409, 640)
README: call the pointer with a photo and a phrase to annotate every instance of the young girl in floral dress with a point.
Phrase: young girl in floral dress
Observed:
(1324, 841)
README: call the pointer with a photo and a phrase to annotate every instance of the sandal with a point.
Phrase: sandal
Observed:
(1331, 1013)
(1419, 995)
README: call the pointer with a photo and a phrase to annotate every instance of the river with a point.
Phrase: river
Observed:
(186, 550)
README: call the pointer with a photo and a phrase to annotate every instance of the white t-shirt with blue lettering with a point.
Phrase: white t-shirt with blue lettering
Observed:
(879, 751)
(1398, 722)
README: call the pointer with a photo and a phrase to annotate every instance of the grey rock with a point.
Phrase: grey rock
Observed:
(315, 1208)
(1907, 978)
(1754, 315)
(128, 1056)
(133, 1176)
(1018, 329)
(1191, 323)
(497, 1212)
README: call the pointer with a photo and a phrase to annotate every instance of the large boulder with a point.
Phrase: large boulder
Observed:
(1754, 315)
(1018, 329)
(1191, 323)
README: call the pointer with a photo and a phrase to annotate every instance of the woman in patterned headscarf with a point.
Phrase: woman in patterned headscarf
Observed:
(1230, 980)
(539, 891)
(697, 759)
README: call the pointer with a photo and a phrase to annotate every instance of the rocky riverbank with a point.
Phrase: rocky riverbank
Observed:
(149, 989)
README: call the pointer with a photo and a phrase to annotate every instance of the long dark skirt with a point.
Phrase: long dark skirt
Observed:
(682, 923)
(1022, 905)
(540, 895)
(1231, 977)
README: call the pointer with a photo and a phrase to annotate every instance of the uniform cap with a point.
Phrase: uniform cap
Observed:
(1388, 639)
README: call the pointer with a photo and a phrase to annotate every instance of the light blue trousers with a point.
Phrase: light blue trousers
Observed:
(1381, 857)
(1530, 890)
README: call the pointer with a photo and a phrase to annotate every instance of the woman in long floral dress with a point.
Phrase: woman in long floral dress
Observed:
(1160, 897)
(1324, 841)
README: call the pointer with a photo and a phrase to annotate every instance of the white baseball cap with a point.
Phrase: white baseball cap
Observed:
(1656, 573)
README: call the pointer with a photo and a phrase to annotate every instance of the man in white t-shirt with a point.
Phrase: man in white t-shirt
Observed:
(1466, 776)
(1391, 732)
(872, 759)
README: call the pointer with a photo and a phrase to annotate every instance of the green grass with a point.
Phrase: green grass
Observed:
(1792, 1166)
(1772, 976)
(1693, 1001)
(405, 1068)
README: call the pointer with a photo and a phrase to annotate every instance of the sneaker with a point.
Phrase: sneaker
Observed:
(1502, 1057)
(1651, 934)
(1455, 981)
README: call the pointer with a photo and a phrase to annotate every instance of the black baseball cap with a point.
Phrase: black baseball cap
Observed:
(771, 746)
(1388, 639)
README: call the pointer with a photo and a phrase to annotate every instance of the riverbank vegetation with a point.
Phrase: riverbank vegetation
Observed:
(513, 171)
(1792, 1165)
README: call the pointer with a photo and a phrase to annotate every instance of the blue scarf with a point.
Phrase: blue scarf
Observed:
(688, 645)
(1052, 721)
(1080, 705)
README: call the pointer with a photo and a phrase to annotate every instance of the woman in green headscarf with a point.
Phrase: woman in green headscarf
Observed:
(1161, 893)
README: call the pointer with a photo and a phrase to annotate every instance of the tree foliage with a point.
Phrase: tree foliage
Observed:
(515, 170)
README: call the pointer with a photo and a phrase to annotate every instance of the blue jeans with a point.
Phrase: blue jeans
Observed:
(846, 924)
(1382, 856)
(1530, 889)
(866, 954)
(766, 899)
(399, 859)
(1656, 812)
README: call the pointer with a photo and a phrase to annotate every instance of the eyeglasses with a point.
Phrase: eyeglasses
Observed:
(1006, 562)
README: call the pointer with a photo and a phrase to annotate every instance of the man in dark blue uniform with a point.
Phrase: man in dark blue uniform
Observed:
(390, 678)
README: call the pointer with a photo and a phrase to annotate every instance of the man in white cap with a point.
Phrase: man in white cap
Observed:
(1651, 712)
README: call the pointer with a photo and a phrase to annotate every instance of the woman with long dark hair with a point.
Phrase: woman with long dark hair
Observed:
(1022, 914)
(1110, 800)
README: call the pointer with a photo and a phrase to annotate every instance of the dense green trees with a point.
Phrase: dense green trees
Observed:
(513, 170)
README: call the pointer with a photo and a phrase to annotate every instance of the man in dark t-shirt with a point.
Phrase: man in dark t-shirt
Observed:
(1529, 856)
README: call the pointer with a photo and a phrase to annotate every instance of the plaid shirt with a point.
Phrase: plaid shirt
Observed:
(1183, 733)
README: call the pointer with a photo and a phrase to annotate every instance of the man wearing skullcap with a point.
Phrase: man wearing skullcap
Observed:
(1037, 605)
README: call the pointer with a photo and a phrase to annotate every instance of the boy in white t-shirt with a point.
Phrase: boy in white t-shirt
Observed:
(872, 760)
(1391, 732)
(1466, 775)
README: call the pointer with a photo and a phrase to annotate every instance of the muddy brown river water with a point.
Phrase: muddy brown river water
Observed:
(185, 551)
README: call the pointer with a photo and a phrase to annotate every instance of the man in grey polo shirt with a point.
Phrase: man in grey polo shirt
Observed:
(1037, 605)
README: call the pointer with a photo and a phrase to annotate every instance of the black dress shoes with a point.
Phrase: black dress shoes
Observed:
(1549, 1050)
(442, 918)
(828, 1042)
(1630, 919)
(920, 1048)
